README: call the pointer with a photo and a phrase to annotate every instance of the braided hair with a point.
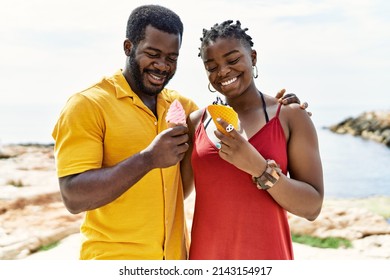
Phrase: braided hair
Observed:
(225, 29)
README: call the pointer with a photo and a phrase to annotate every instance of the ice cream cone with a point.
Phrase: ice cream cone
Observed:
(170, 124)
(175, 115)
(226, 113)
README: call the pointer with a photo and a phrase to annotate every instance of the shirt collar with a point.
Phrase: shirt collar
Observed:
(121, 85)
(123, 90)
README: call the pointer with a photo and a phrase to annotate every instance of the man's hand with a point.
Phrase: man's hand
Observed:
(168, 147)
(290, 98)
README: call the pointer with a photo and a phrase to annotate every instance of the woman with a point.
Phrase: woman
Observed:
(242, 196)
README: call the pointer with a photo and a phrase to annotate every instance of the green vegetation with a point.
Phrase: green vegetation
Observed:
(48, 247)
(330, 242)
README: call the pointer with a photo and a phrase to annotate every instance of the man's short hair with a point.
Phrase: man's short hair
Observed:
(157, 16)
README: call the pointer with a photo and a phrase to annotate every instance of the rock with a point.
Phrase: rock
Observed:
(32, 213)
(369, 125)
(28, 224)
(377, 246)
(347, 223)
(368, 232)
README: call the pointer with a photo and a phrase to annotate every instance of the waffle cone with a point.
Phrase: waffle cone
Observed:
(170, 124)
(223, 112)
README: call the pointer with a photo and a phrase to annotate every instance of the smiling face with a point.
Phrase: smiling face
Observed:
(229, 65)
(152, 63)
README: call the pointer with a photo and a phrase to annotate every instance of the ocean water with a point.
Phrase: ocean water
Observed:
(353, 167)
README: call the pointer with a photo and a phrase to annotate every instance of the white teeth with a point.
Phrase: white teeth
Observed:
(155, 77)
(229, 81)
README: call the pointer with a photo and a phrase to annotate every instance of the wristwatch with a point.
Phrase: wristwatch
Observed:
(269, 177)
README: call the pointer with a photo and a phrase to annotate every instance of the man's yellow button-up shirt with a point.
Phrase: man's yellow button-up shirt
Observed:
(101, 127)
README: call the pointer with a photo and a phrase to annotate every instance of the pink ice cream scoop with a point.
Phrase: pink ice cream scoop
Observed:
(176, 114)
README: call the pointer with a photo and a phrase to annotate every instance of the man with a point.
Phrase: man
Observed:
(115, 157)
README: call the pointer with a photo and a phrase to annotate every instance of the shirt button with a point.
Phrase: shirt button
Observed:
(155, 123)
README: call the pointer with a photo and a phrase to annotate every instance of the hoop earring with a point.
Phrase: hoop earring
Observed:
(210, 88)
(255, 72)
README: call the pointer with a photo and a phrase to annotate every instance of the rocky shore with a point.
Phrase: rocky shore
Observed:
(373, 125)
(32, 214)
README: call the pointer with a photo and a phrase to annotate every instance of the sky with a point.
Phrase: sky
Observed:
(331, 53)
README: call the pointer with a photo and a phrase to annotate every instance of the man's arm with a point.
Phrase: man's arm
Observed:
(98, 187)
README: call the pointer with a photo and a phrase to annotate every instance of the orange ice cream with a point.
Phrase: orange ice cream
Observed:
(176, 114)
(226, 113)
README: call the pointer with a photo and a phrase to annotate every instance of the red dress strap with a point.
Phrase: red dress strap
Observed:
(278, 111)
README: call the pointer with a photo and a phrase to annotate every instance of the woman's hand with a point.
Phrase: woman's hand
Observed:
(238, 151)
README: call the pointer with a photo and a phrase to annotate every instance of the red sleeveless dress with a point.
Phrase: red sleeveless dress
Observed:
(232, 218)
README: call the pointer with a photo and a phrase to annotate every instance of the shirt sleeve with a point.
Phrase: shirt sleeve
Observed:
(78, 135)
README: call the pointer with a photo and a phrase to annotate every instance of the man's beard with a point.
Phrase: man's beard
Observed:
(138, 79)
